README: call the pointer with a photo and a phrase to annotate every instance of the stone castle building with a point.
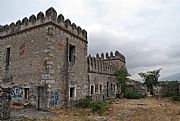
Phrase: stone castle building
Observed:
(43, 59)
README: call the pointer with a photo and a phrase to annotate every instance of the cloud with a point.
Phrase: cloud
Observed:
(145, 31)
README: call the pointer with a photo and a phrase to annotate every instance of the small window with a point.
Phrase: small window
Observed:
(100, 88)
(8, 56)
(92, 89)
(26, 93)
(71, 54)
(71, 91)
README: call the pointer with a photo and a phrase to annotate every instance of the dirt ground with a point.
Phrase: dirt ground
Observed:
(148, 109)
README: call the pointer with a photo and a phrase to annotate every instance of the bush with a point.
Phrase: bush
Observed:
(132, 94)
(83, 103)
(176, 98)
(99, 106)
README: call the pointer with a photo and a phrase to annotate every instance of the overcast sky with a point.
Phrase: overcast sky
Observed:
(147, 32)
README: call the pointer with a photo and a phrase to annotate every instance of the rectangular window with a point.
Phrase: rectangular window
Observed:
(72, 92)
(71, 54)
(26, 93)
(100, 88)
(92, 89)
(8, 56)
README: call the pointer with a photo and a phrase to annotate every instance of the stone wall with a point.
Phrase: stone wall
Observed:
(39, 54)
(26, 62)
(101, 74)
(106, 65)
(68, 74)
(102, 86)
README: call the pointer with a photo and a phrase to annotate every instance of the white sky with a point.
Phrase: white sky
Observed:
(145, 31)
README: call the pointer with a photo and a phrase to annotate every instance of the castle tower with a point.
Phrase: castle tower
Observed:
(44, 50)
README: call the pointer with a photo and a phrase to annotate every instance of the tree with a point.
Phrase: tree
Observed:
(150, 78)
(121, 75)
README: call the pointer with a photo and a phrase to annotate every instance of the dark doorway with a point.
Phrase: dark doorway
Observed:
(26, 93)
(71, 54)
(7, 56)
(92, 89)
(71, 91)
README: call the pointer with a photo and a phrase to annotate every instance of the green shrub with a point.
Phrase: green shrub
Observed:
(83, 103)
(132, 94)
(99, 106)
(176, 98)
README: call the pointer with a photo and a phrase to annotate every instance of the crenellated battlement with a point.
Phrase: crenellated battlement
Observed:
(111, 56)
(104, 63)
(50, 16)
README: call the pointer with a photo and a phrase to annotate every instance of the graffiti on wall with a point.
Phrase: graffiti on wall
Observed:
(54, 98)
(17, 92)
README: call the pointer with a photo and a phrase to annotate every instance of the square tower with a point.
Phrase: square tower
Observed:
(44, 50)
